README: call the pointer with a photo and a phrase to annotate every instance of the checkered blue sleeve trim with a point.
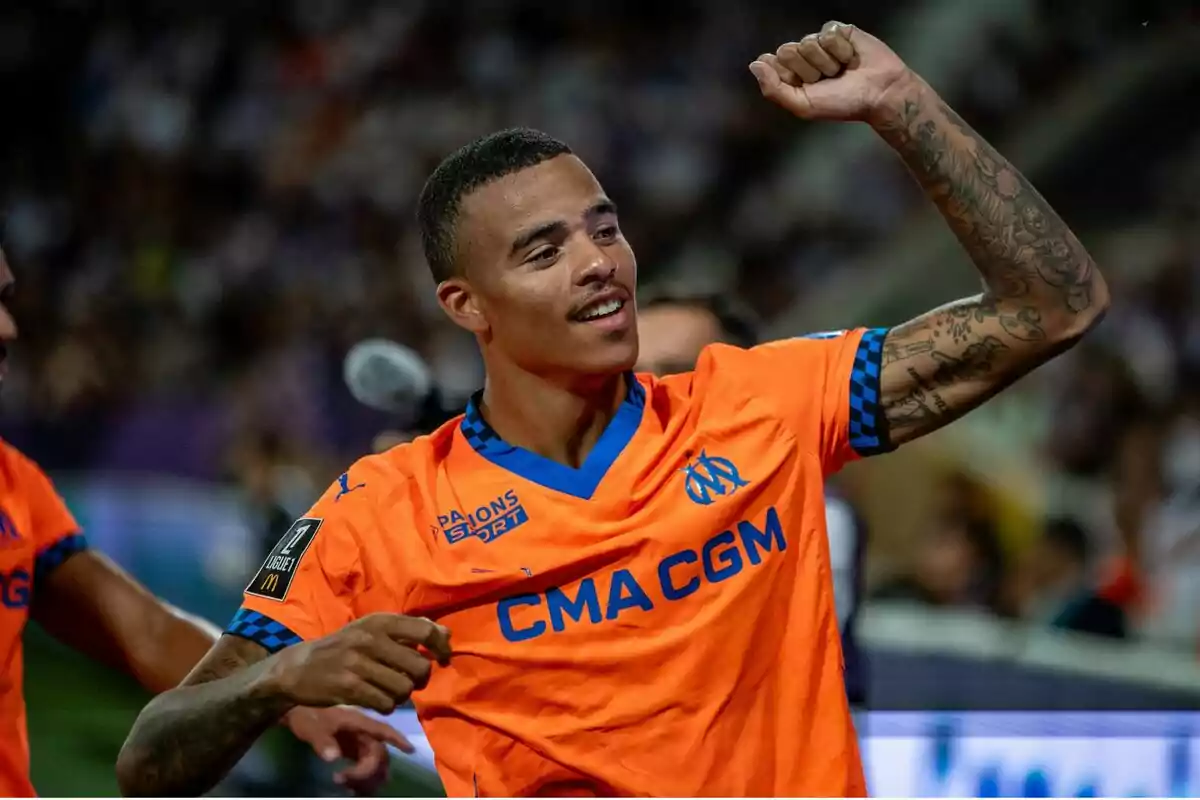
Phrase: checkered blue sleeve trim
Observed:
(261, 629)
(868, 428)
(56, 554)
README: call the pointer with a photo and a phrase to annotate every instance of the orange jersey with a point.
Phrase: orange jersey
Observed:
(37, 533)
(659, 621)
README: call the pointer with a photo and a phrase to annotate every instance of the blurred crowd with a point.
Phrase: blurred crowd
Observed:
(207, 205)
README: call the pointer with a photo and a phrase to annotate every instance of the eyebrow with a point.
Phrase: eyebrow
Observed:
(559, 228)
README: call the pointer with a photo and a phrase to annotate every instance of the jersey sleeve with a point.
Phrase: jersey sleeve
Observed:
(823, 387)
(306, 587)
(56, 534)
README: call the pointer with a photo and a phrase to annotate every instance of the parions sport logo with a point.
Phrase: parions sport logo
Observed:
(487, 522)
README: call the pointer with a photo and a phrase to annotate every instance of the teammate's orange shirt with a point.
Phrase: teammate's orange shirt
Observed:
(659, 621)
(37, 533)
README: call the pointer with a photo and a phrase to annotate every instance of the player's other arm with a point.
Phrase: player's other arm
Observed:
(1042, 291)
(188, 738)
(92, 605)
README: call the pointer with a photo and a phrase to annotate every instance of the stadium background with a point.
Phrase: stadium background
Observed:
(206, 205)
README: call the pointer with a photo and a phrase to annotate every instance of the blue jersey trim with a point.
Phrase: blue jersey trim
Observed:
(868, 428)
(261, 629)
(581, 482)
(56, 555)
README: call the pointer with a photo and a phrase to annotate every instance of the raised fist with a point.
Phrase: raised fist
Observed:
(841, 73)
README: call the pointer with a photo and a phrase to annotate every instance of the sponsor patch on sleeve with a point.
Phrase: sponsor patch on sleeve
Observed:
(274, 577)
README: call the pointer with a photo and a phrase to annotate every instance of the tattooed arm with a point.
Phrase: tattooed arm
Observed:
(186, 740)
(1042, 291)
(189, 738)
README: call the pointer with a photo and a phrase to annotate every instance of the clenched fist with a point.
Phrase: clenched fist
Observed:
(375, 662)
(841, 73)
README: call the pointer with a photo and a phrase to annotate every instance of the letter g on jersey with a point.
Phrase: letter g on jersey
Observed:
(710, 477)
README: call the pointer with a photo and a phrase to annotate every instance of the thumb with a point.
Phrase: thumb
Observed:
(768, 79)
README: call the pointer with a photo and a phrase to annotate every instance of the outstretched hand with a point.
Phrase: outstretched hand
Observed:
(841, 73)
(346, 733)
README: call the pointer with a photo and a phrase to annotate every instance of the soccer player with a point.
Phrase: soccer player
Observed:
(674, 328)
(86, 601)
(634, 570)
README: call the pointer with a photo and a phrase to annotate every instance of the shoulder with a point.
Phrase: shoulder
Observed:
(796, 356)
(394, 479)
(13, 460)
(21, 472)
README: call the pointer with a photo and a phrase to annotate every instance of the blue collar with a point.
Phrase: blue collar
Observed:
(581, 482)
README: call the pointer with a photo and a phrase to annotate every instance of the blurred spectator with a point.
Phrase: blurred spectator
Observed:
(959, 564)
(1057, 588)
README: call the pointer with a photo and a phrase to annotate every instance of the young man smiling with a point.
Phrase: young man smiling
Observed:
(635, 570)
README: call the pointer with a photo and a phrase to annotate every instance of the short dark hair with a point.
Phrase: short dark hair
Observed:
(462, 172)
(739, 325)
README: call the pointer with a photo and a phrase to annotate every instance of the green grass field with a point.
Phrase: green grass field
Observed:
(79, 713)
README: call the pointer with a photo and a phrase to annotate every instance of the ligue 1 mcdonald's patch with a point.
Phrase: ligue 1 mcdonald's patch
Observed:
(274, 577)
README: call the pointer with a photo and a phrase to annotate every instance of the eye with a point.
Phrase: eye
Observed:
(543, 255)
(606, 233)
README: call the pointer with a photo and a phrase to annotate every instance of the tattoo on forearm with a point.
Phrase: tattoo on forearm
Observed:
(187, 739)
(1041, 286)
(1022, 247)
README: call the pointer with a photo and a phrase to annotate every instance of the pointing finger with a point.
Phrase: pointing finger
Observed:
(438, 643)
(769, 82)
(371, 757)
(418, 631)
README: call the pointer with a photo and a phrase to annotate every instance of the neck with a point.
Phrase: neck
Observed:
(561, 423)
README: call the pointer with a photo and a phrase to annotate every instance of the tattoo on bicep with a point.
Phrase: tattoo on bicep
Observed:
(978, 360)
(900, 351)
(921, 405)
(942, 384)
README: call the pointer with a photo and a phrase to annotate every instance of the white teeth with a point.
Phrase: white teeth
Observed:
(604, 309)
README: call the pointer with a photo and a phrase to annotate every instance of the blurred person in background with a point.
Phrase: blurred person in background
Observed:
(958, 564)
(1056, 587)
(83, 599)
(674, 328)
(275, 482)
(1157, 473)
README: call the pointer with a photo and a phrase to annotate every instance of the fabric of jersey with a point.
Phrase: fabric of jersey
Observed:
(37, 533)
(659, 621)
